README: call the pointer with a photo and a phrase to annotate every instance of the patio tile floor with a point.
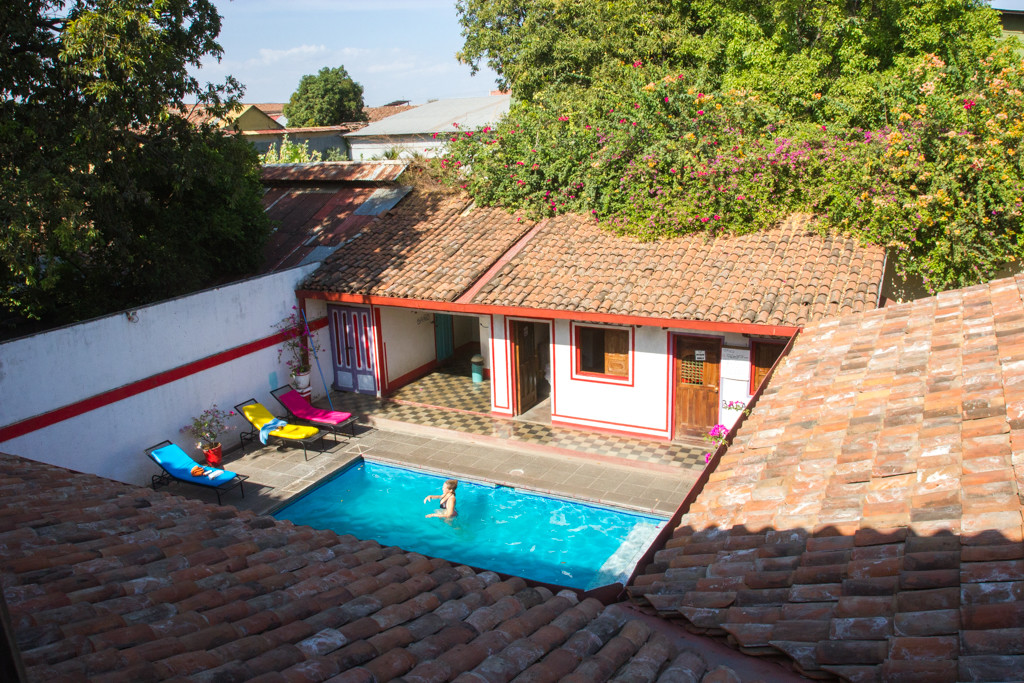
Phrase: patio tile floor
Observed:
(278, 474)
(389, 414)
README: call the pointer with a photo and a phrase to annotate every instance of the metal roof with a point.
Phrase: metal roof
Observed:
(470, 113)
(316, 207)
(334, 171)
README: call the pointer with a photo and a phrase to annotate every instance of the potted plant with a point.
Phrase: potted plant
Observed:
(297, 346)
(206, 429)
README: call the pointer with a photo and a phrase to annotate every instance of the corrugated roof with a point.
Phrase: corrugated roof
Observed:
(470, 113)
(868, 519)
(315, 207)
(334, 171)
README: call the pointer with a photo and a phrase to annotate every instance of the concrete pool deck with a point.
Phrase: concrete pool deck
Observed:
(276, 475)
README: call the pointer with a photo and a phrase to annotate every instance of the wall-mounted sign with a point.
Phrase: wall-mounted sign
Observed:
(698, 354)
(729, 353)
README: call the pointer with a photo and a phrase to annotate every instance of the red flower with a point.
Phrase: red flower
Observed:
(968, 104)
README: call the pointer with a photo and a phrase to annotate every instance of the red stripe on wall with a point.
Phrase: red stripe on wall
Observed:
(101, 400)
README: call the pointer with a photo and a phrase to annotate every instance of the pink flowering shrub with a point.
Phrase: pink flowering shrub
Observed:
(938, 181)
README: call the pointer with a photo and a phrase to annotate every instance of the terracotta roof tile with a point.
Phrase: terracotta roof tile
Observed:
(436, 248)
(149, 586)
(785, 276)
(429, 247)
(875, 482)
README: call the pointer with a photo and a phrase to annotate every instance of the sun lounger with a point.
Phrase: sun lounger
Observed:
(300, 410)
(258, 416)
(178, 466)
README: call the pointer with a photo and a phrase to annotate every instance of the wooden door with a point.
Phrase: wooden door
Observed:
(763, 357)
(696, 373)
(526, 363)
(352, 332)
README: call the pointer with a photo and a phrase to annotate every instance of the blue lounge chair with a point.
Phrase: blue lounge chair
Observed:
(178, 466)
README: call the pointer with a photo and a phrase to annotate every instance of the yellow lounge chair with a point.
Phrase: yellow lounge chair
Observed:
(260, 418)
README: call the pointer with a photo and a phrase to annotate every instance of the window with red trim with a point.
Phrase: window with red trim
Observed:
(602, 351)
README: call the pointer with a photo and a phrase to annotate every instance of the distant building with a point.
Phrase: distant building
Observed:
(425, 129)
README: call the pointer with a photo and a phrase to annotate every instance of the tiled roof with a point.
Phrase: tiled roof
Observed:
(785, 276)
(378, 113)
(107, 582)
(867, 520)
(428, 247)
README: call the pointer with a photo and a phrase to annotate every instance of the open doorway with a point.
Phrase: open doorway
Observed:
(531, 363)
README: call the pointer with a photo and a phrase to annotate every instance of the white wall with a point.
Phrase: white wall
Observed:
(642, 408)
(71, 364)
(735, 384)
(408, 337)
(642, 405)
(485, 344)
(465, 329)
(501, 392)
(364, 148)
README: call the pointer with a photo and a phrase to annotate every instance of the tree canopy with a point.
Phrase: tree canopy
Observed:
(109, 196)
(897, 120)
(328, 98)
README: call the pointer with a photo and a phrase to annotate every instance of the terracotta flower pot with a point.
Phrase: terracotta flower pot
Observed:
(213, 455)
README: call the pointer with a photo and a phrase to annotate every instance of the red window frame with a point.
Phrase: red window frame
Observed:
(603, 378)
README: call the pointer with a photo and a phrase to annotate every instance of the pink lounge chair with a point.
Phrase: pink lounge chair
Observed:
(300, 409)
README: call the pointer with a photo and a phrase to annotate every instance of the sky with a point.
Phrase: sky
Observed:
(395, 49)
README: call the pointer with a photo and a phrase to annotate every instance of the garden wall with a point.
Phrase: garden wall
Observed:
(92, 396)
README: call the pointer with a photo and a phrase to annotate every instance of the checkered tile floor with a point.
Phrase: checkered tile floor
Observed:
(676, 454)
(449, 387)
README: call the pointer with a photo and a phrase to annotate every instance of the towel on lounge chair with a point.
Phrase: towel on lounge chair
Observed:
(178, 466)
(265, 430)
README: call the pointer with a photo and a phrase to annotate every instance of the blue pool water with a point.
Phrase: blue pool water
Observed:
(514, 532)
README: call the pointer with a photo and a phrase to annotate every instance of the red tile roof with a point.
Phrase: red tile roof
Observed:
(378, 113)
(867, 520)
(429, 247)
(784, 276)
(109, 582)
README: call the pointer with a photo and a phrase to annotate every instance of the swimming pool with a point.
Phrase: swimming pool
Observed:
(544, 538)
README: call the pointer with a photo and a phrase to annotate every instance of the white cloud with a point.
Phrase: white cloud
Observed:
(269, 56)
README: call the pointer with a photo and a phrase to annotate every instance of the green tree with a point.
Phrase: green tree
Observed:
(289, 153)
(328, 98)
(898, 121)
(789, 50)
(109, 197)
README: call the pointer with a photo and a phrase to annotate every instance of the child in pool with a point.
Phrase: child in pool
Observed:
(446, 505)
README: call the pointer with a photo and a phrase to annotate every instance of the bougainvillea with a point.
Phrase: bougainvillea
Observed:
(938, 181)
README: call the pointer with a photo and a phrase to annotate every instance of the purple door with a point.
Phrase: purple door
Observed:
(352, 335)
